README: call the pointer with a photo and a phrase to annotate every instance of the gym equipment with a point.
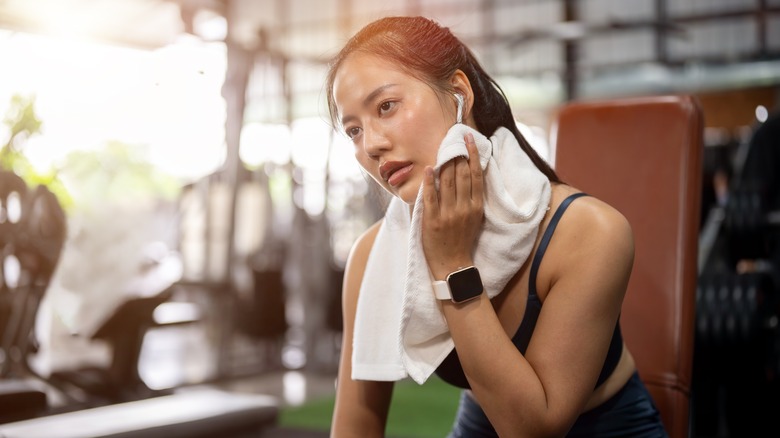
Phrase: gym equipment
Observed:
(614, 151)
(734, 309)
(197, 413)
(32, 232)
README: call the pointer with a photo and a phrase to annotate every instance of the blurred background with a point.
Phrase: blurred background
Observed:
(204, 207)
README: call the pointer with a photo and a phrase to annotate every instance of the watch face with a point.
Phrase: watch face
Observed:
(465, 284)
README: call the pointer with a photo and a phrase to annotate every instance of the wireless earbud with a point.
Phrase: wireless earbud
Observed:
(461, 101)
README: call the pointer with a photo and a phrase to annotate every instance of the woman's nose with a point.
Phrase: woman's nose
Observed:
(375, 142)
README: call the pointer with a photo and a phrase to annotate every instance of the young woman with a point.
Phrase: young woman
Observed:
(541, 357)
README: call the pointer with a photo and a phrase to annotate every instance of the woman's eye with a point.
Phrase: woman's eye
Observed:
(386, 106)
(352, 132)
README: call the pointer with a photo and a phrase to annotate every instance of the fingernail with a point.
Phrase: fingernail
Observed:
(470, 137)
(429, 171)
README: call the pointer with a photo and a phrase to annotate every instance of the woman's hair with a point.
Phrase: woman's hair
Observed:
(432, 54)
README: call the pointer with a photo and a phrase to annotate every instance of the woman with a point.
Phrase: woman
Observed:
(541, 357)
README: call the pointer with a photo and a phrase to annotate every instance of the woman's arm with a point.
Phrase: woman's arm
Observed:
(584, 274)
(543, 392)
(361, 406)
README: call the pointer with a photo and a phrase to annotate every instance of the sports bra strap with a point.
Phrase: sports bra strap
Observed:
(546, 241)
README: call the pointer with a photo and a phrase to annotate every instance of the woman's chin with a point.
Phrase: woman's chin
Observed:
(407, 195)
(406, 192)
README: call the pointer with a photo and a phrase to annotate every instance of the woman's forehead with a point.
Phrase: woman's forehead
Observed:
(361, 73)
(366, 66)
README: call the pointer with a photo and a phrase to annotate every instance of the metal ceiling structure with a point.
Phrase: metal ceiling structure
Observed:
(581, 40)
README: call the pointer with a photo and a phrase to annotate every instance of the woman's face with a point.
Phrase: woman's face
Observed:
(395, 121)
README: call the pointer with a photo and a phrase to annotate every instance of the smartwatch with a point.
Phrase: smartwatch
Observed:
(460, 286)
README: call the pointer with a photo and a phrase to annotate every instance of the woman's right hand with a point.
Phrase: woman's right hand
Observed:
(452, 215)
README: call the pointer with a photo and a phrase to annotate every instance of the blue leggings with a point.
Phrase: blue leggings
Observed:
(629, 413)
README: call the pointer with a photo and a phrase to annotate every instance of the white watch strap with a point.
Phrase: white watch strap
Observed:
(441, 290)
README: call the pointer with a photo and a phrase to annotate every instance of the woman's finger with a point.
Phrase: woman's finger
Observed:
(462, 180)
(475, 168)
(447, 185)
(430, 197)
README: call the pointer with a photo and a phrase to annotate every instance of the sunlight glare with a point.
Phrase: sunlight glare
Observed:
(88, 94)
(262, 143)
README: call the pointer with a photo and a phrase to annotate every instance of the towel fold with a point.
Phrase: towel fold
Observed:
(399, 328)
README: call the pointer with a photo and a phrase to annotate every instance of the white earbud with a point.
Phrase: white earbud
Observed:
(461, 101)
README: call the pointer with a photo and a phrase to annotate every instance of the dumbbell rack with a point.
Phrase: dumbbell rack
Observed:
(736, 385)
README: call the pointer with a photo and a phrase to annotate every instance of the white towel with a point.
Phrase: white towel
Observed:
(399, 328)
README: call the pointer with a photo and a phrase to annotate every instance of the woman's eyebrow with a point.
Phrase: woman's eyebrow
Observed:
(371, 96)
(367, 101)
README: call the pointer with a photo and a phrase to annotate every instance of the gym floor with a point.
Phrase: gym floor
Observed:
(172, 357)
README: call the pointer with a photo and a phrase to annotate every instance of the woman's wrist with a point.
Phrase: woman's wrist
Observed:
(440, 271)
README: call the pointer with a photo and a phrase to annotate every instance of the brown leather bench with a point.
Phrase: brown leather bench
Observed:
(643, 156)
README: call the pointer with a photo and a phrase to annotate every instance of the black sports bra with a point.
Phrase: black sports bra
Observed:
(450, 369)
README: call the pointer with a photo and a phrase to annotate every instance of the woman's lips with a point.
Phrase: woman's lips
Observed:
(398, 176)
(395, 172)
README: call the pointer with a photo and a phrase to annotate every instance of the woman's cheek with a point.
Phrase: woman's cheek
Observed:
(362, 159)
(369, 166)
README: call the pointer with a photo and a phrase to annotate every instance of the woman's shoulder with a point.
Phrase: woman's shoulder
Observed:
(363, 244)
(594, 213)
(358, 257)
(594, 228)
(592, 247)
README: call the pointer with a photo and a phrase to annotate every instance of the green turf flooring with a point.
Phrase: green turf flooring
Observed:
(417, 411)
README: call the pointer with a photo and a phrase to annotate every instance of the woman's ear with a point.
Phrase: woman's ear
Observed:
(460, 85)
